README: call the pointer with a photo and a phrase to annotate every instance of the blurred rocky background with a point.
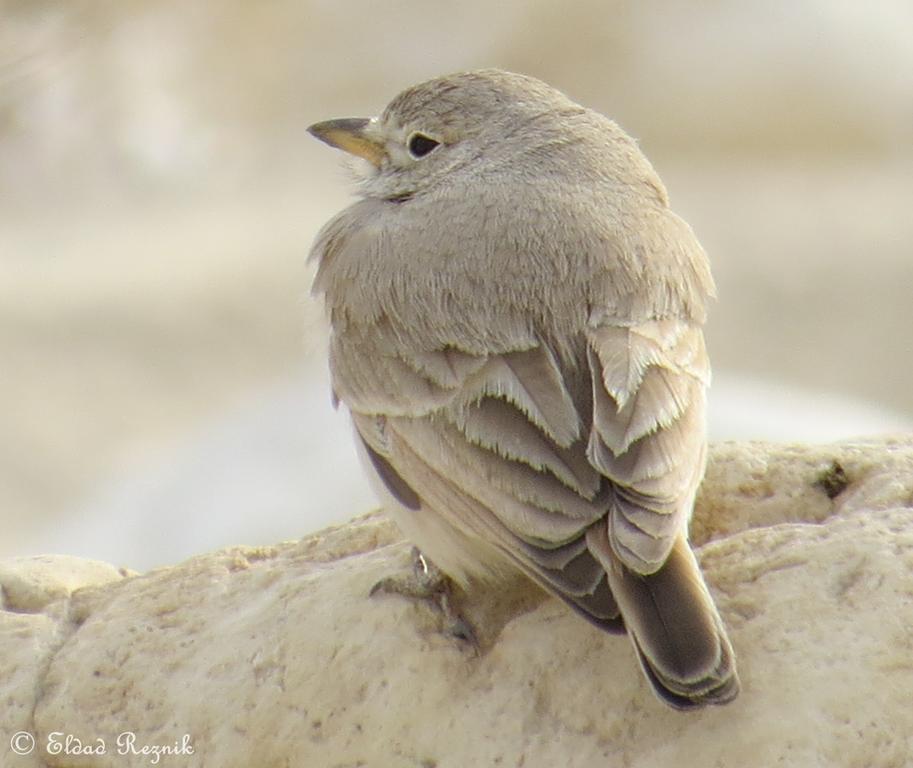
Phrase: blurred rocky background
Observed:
(162, 381)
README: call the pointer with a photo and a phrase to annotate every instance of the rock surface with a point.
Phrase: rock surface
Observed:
(277, 657)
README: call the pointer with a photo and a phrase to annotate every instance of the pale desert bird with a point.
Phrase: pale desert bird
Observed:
(516, 330)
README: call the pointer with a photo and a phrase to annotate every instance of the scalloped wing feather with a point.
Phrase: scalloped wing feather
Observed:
(648, 432)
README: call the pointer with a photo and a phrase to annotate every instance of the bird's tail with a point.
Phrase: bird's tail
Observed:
(677, 631)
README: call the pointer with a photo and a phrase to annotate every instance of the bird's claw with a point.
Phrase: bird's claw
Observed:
(429, 583)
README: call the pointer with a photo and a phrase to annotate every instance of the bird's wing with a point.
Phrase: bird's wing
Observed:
(507, 429)
(496, 446)
(648, 434)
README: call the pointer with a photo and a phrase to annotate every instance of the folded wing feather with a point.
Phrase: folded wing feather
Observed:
(648, 435)
(497, 446)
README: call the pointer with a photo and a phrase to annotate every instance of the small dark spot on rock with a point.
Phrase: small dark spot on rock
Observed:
(429, 763)
(833, 480)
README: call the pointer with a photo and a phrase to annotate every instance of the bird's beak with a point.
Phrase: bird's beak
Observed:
(350, 134)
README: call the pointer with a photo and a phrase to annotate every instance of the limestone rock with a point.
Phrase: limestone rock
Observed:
(276, 656)
(31, 583)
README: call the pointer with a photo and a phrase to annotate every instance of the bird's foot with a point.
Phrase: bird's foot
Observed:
(429, 583)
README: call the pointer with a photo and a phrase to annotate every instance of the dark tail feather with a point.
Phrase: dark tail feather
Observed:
(679, 637)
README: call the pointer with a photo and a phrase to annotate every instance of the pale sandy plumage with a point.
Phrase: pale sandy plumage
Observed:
(516, 330)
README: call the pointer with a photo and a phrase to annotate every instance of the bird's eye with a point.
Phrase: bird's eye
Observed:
(420, 144)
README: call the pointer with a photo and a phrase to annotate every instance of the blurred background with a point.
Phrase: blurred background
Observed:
(162, 377)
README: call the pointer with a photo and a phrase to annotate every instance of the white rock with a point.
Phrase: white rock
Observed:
(31, 583)
(276, 656)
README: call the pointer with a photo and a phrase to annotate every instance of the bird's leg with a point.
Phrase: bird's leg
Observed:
(428, 582)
